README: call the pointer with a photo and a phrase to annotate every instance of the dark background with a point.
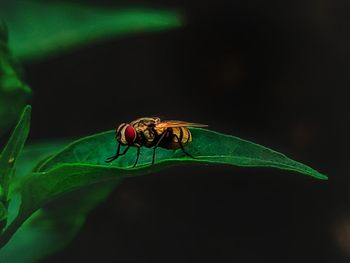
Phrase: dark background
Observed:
(274, 72)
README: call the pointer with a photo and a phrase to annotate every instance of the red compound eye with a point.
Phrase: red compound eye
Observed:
(130, 134)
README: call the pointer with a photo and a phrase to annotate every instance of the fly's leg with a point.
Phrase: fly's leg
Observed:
(155, 147)
(137, 157)
(182, 147)
(112, 158)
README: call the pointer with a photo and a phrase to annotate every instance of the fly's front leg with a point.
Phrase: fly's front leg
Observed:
(112, 158)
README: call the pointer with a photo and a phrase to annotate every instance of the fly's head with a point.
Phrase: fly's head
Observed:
(126, 134)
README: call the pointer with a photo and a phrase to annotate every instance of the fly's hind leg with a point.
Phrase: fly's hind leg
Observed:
(155, 147)
(182, 147)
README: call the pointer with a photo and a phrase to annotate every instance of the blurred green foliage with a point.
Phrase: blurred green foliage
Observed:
(8, 159)
(52, 227)
(14, 93)
(40, 29)
(3, 32)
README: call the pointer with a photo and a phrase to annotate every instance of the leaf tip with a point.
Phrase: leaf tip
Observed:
(26, 114)
(28, 109)
(319, 175)
(322, 176)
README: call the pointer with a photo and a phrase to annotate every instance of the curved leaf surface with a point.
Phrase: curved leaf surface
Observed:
(207, 147)
(8, 160)
(82, 164)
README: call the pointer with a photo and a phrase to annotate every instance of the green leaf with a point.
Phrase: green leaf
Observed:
(35, 153)
(3, 32)
(31, 156)
(207, 147)
(9, 157)
(51, 228)
(13, 148)
(82, 164)
(13, 92)
(39, 29)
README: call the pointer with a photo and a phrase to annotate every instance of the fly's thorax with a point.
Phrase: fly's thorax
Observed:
(146, 135)
(145, 129)
(146, 121)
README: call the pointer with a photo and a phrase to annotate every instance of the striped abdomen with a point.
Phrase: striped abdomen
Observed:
(174, 136)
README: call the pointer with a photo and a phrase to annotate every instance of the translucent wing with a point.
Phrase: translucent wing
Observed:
(174, 124)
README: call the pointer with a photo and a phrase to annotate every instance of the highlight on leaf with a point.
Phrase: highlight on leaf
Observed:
(40, 29)
(8, 160)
